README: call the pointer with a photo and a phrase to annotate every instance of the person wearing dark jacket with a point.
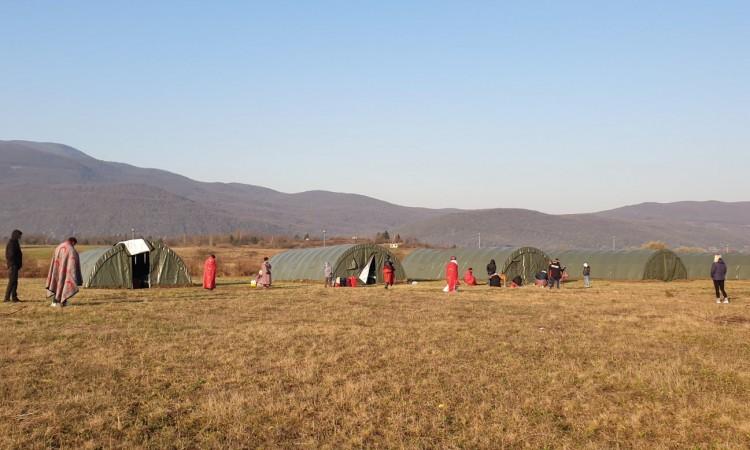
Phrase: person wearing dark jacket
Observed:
(14, 261)
(719, 275)
(555, 273)
(491, 268)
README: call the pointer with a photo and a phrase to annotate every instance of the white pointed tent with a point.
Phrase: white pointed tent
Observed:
(365, 274)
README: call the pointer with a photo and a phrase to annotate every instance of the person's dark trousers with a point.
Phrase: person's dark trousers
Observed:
(554, 282)
(11, 293)
(719, 286)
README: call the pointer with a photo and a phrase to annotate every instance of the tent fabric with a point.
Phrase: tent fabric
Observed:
(346, 260)
(137, 246)
(662, 265)
(111, 267)
(698, 265)
(167, 268)
(429, 264)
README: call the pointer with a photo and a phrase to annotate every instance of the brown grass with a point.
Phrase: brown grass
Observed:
(299, 366)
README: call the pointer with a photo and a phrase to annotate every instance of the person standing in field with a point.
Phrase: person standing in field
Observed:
(264, 277)
(719, 276)
(451, 275)
(209, 273)
(328, 274)
(389, 272)
(586, 275)
(64, 275)
(555, 272)
(14, 262)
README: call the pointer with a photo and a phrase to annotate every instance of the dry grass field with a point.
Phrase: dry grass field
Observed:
(621, 365)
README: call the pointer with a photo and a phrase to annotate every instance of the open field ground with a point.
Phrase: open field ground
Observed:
(621, 365)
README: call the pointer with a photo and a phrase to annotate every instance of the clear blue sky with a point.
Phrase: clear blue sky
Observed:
(550, 105)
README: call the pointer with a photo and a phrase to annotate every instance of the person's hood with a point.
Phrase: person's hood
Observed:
(16, 235)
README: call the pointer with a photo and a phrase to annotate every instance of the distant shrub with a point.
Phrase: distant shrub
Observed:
(684, 249)
(655, 245)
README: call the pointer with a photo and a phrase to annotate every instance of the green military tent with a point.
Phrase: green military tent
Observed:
(699, 265)
(429, 264)
(133, 264)
(365, 261)
(662, 265)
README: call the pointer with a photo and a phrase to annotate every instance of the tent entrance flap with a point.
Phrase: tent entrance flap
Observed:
(368, 274)
(141, 271)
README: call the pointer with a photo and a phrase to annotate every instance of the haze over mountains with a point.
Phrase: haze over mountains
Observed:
(58, 190)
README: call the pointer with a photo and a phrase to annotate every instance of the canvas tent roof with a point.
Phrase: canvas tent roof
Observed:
(698, 265)
(429, 264)
(111, 267)
(345, 260)
(137, 246)
(662, 265)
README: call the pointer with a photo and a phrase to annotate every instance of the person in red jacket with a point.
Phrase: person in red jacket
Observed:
(451, 275)
(388, 272)
(209, 273)
(469, 277)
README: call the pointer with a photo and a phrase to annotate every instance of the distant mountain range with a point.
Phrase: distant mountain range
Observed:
(58, 190)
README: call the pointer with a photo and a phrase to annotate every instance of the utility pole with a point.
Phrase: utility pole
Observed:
(479, 239)
(324, 238)
(614, 247)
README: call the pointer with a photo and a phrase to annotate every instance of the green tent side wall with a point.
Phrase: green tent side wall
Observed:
(110, 267)
(429, 264)
(106, 268)
(663, 265)
(345, 260)
(167, 268)
(699, 265)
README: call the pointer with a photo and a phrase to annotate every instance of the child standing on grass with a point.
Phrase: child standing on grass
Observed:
(209, 273)
(555, 273)
(389, 272)
(719, 275)
(328, 274)
(451, 275)
(586, 275)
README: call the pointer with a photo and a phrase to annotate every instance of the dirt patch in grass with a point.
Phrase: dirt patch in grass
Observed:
(732, 320)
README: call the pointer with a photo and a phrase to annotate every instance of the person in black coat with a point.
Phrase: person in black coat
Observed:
(491, 268)
(555, 273)
(14, 261)
(719, 275)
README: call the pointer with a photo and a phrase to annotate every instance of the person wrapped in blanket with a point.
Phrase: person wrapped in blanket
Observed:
(64, 275)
